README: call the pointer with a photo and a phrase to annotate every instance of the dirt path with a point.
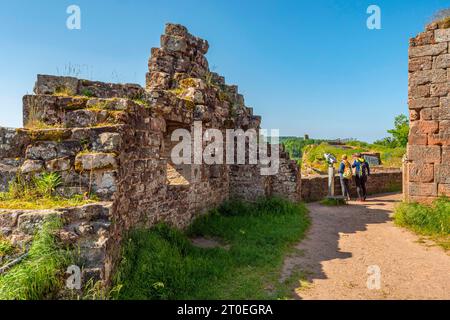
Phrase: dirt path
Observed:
(344, 241)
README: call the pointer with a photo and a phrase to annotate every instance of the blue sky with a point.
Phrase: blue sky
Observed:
(305, 66)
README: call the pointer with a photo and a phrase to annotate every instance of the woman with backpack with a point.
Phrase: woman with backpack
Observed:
(345, 175)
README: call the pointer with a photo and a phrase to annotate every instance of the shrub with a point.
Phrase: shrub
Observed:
(47, 183)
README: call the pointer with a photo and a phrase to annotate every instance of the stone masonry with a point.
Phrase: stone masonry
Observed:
(114, 141)
(427, 165)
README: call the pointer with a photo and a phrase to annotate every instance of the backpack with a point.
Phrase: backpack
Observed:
(347, 171)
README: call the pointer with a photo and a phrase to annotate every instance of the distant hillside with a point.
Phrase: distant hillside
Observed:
(309, 152)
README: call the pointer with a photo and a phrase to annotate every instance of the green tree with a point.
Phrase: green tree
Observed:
(400, 131)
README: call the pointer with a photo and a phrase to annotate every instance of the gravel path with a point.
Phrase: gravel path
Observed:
(344, 242)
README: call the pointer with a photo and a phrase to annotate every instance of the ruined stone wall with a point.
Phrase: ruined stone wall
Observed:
(428, 154)
(113, 142)
(316, 188)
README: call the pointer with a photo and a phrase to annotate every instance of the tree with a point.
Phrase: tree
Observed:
(401, 131)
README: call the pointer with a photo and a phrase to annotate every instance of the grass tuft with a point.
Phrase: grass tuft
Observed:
(429, 220)
(161, 263)
(40, 274)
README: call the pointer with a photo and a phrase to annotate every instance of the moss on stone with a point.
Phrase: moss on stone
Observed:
(188, 83)
(54, 134)
(63, 92)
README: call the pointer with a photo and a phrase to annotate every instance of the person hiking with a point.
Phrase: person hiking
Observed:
(345, 174)
(361, 171)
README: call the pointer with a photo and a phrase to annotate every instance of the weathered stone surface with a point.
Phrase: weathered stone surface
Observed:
(424, 103)
(418, 139)
(422, 189)
(424, 127)
(426, 114)
(424, 38)
(439, 89)
(42, 151)
(7, 174)
(421, 172)
(421, 91)
(30, 166)
(80, 118)
(424, 154)
(418, 64)
(105, 184)
(442, 35)
(428, 50)
(415, 115)
(57, 165)
(109, 142)
(427, 76)
(46, 84)
(95, 161)
(442, 61)
(442, 173)
(443, 189)
(12, 143)
(439, 139)
(31, 220)
(446, 154)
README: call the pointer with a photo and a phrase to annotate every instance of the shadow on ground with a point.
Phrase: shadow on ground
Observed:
(329, 225)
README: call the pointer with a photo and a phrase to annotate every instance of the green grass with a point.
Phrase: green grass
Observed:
(333, 202)
(43, 203)
(40, 274)
(39, 193)
(6, 247)
(313, 154)
(161, 263)
(428, 220)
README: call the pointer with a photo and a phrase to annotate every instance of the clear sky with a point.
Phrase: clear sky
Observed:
(305, 66)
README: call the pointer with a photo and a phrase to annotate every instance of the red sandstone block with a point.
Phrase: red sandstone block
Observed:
(442, 35)
(414, 115)
(444, 189)
(426, 114)
(421, 63)
(439, 139)
(424, 154)
(428, 50)
(419, 199)
(442, 61)
(444, 126)
(418, 139)
(421, 172)
(420, 103)
(419, 189)
(446, 154)
(427, 76)
(439, 89)
(442, 173)
(421, 91)
(424, 127)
